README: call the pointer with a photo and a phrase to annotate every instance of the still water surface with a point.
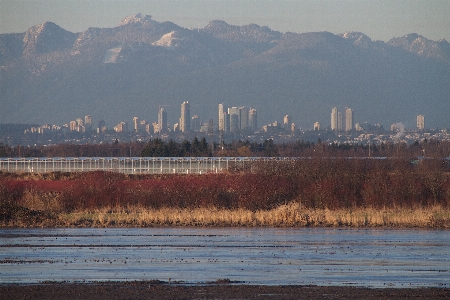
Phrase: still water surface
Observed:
(272, 256)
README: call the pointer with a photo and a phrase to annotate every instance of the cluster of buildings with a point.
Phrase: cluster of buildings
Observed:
(77, 125)
(233, 119)
(235, 122)
(237, 119)
(340, 124)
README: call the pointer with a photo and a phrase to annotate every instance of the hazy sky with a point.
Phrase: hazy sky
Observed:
(379, 19)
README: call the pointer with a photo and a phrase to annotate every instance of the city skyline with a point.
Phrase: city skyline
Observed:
(82, 131)
(232, 119)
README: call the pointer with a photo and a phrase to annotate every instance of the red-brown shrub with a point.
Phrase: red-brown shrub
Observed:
(317, 183)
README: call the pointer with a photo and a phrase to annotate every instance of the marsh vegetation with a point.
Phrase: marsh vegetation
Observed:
(305, 192)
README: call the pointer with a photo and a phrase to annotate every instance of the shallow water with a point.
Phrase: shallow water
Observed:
(272, 256)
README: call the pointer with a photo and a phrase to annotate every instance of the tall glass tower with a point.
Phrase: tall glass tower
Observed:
(185, 119)
(334, 118)
(162, 119)
(221, 111)
(348, 119)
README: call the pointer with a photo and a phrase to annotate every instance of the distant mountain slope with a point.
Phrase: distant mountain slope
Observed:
(421, 46)
(50, 75)
(47, 37)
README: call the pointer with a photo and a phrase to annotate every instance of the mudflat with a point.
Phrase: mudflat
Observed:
(145, 290)
(150, 290)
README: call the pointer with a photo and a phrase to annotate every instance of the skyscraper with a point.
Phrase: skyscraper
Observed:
(136, 124)
(101, 126)
(185, 119)
(232, 110)
(234, 123)
(80, 122)
(339, 127)
(162, 120)
(421, 122)
(121, 127)
(286, 122)
(221, 112)
(73, 125)
(195, 123)
(334, 118)
(156, 128)
(243, 117)
(233, 113)
(226, 122)
(252, 119)
(348, 119)
(88, 123)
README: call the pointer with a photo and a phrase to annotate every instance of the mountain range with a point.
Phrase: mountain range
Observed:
(51, 75)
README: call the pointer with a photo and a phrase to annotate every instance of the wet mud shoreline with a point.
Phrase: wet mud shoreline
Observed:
(164, 290)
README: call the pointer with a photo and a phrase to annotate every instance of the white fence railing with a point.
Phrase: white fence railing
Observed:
(130, 165)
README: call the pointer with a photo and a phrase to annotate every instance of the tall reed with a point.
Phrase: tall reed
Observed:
(288, 215)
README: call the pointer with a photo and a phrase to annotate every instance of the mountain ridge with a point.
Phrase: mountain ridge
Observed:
(54, 76)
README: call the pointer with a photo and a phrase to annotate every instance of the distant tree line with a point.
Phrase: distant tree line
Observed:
(159, 148)
(197, 148)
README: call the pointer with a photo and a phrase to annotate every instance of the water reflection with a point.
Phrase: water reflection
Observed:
(321, 256)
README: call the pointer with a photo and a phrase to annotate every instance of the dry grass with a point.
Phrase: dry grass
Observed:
(41, 201)
(290, 215)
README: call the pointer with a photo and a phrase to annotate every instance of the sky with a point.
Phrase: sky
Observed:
(379, 19)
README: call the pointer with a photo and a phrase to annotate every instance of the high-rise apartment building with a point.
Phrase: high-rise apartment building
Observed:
(221, 111)
(195, 123)
(233, 113)
(136, 124)
(232, 110)
(162, 120)
(226, 122)
(339, 127)
(121, 127)
(334, 118)
(210, 126)
(253, 119)
(243, 117)
(293, 127)
(88, 123)
(234, 123)
(316, 126)
(185, 119)
(73, 125)
(80, 121)
(348, 119)
(286, 122)
(142, 125)
(148, 128)
(101, 126)
(421, 122)
(156, 128)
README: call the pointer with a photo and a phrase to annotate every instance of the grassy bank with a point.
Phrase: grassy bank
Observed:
(289, 215)
(317, 192)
